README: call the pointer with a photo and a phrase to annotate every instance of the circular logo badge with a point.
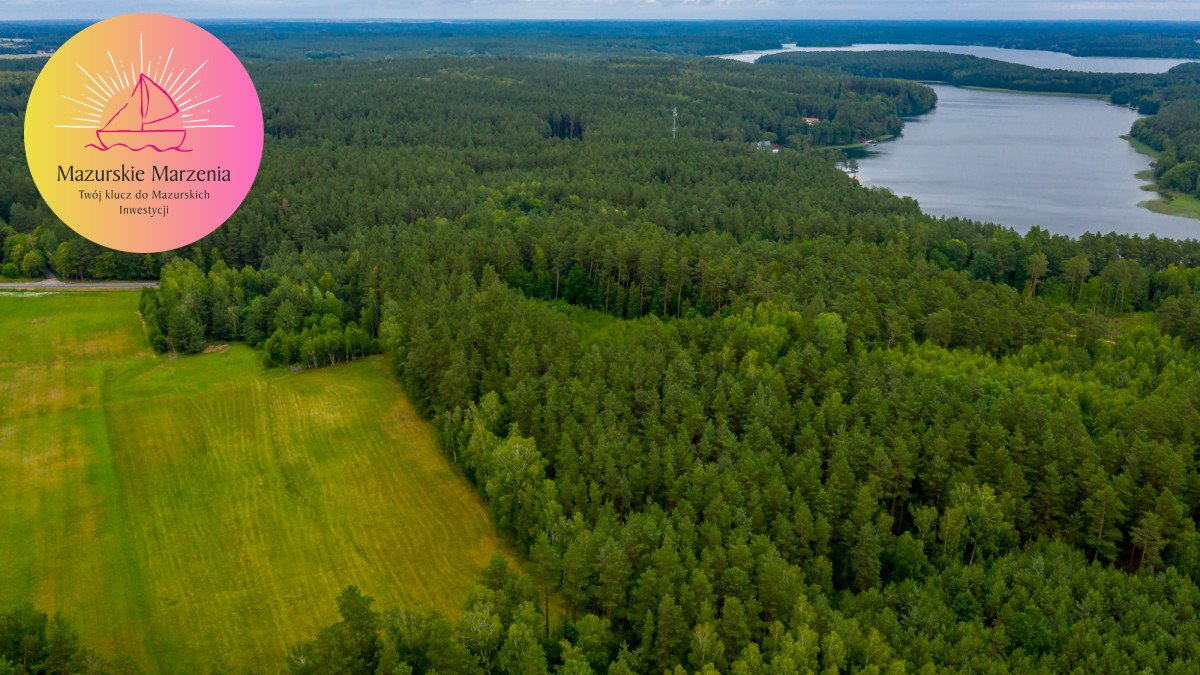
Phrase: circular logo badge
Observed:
(143, 133)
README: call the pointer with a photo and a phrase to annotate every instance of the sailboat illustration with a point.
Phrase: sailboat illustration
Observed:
(150, 119)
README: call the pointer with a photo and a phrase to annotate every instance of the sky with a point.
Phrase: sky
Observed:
(1174, 10)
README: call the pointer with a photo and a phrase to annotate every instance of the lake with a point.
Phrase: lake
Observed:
(1027, 57)
(1023, 159)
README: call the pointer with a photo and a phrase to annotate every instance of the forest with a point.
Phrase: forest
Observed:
(740, 414)
(582, 39)
(1171, 99)
(579, 39)
(613, 349)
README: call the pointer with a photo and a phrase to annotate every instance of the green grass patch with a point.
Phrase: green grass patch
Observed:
(1141, 147)
(1129, 322)
(1169, 202)
(1174, 204)
(173, 509)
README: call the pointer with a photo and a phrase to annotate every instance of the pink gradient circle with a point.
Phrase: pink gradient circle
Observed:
(143, 133)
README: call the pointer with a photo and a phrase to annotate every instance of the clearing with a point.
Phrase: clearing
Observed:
(201, 512)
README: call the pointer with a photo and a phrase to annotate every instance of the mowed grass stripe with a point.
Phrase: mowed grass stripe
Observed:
(54, 464)
(174, 509)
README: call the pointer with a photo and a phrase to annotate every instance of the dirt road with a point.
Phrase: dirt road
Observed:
(52, 283)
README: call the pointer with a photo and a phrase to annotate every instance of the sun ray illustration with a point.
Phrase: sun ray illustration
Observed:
(95, 93)
(108, 93)
(202, 102)
(82, 103)
(189, 77)
(113, 81)
(163, 70)
(120, 75)
(185, 92)
(171, 85)
(146, 106)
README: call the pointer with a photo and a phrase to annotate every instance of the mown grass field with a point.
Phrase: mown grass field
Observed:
(179, 509)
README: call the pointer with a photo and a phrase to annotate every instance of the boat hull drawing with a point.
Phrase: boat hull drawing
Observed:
(140, 140)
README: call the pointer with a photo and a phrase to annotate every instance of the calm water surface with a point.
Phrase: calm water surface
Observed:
(1028, 57)
(1022, 160)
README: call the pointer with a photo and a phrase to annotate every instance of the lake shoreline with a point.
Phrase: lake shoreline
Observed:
(1169, 202)
(857, 146)
(1002, 90)
(1025, 162)
(1057, 162)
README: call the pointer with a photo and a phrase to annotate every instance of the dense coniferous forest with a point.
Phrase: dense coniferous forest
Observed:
(616, 334)
(740, 413)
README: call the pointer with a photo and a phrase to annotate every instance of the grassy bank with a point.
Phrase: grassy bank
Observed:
(1168, 203)
(173, 509)
(1174, 204)
(1141, 147)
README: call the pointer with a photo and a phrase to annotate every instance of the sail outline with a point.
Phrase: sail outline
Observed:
(154, 105)
(150, 118)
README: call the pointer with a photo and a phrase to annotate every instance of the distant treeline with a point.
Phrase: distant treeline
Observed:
(585, 39)
(1145, 91)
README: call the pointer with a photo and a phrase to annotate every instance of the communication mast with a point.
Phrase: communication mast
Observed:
(674, 115)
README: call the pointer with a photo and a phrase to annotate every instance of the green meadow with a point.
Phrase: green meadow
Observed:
(176, 508)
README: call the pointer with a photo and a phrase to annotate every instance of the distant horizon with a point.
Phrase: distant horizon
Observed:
(383, 19)
(1167, 11)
